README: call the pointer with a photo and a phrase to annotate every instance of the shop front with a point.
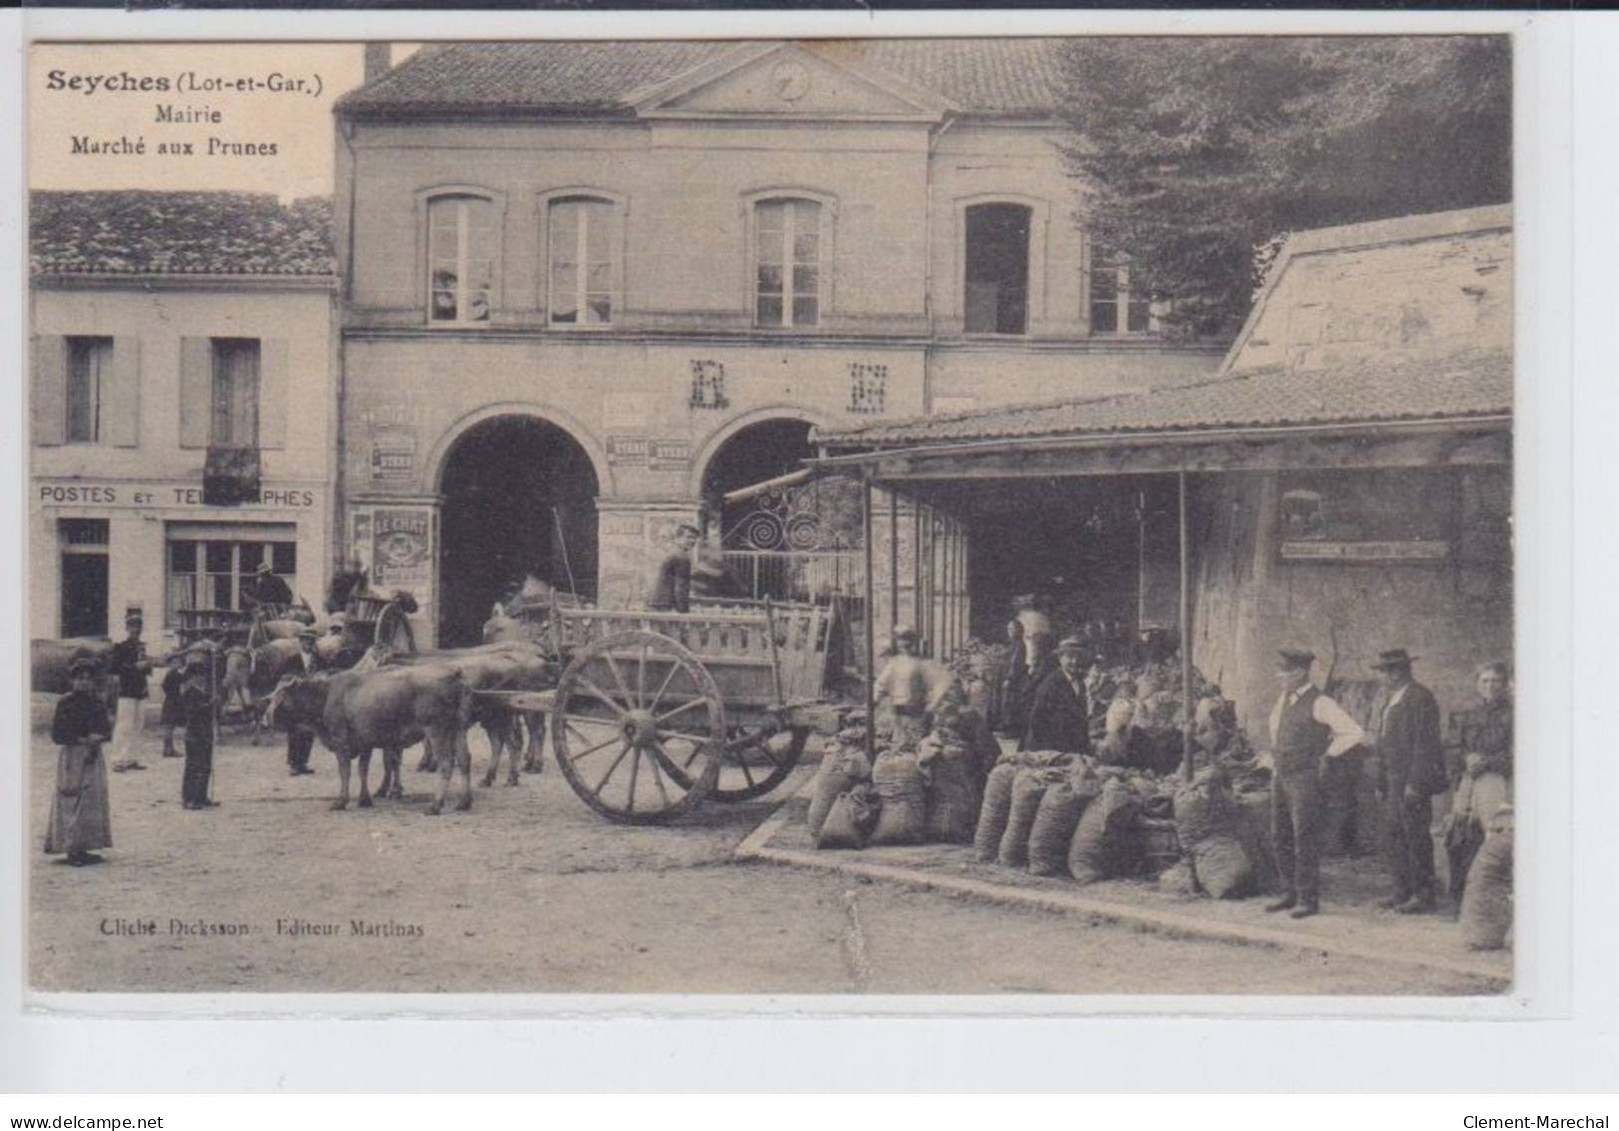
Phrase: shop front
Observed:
(103, 547)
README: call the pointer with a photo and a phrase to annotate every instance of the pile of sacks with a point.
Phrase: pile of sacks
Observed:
(980, 670)
(1057, 814)
(929, 794)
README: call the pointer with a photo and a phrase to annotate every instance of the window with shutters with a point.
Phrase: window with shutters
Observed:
(461, 238)
(1117, 307)
(235, 399)
(89, 376)
(996, 299)
(788, 236)
(582, 237)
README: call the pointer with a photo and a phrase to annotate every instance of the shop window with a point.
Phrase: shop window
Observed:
(208, 574)
(787, 253)
(460, 258)
(89, 373)
(582, 238)
(235, 393)
(1116, 307)
(997, 268)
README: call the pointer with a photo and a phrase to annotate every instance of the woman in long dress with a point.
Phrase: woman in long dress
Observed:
(80, 820)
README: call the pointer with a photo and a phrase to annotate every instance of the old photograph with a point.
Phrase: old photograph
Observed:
(886, 516)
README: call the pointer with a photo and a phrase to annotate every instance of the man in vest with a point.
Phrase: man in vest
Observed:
(1306, 728)
(1410, 753)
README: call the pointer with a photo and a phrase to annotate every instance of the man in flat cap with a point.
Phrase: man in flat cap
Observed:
(1306, 728)
(1410, 753)
(1060, 716)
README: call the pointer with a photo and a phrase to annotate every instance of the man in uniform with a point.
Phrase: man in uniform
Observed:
(265, 588)
(1306, 728)
(128, 664)
(1060, 716)
(671, 588)
(301, 741)
(1405, 735)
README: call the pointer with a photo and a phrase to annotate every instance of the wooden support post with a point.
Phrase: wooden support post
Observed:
(916, 565)
(893, 562)
(871, 626)
(1190, 706)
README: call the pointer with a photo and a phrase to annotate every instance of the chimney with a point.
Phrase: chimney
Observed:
(378, 58)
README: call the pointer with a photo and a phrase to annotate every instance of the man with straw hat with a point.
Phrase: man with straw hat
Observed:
(1410, 753)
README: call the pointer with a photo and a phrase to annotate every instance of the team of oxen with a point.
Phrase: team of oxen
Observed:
(373, 696)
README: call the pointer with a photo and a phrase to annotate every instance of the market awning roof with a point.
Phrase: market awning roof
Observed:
(1476, 384)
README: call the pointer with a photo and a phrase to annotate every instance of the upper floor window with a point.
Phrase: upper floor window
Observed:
(583, 234)
(1116, 307)
(235, 418)
(787, 243)
(89, 372)
(997, 268)
(460, 258)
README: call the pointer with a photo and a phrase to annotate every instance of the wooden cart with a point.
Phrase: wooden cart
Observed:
(222, 626)
(655, 711)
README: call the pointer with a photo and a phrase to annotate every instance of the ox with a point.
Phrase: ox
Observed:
(504, 628)
(391, 708)
(493, 667)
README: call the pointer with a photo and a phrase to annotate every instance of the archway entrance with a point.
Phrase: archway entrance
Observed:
(519, 498)
(800, 543)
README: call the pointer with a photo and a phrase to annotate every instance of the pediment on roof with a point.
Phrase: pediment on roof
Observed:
(790, 80)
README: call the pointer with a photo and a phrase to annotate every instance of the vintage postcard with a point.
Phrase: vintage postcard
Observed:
(887, 516)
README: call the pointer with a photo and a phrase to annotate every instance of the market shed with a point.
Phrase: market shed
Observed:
(1344, 482)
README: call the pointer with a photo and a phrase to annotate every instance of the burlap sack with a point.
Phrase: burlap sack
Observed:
(841, 770)
(902, 799)
(952, 795)
(849, 820)
(1028, 790)
(995, 811)
(1104, 841)
(1486, 913)
(1054, 825)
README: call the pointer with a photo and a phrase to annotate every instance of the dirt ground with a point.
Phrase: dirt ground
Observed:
(532, 891)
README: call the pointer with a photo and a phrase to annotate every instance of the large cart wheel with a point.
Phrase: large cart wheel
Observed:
(756, 761)
(638, 727)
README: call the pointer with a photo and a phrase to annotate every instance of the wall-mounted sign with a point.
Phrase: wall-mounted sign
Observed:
(1396, 515)
(157, 495)
(393, 455)
(401, 548)
(1365, 551)
(670, 454)
(628, 449)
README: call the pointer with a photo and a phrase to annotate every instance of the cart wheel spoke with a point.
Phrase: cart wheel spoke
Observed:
(618, 680)
(667, 715)
(585, 682)
(610, 740)
(655, 756)
(635, 776)
(640, 678)
(747, 773)
(610, 769)
(658, 698)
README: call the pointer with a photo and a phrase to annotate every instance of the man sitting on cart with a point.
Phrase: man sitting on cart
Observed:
(265, 588)
(671, 587)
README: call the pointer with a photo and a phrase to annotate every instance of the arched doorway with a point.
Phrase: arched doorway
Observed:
(519, 498)
(798, 543)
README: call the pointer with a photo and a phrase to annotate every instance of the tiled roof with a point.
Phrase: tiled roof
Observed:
(178, 233)
(982, 76)
(1463, 385)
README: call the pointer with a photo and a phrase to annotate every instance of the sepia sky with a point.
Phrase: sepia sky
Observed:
(298, 123)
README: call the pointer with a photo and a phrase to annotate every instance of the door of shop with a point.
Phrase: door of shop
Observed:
(84, 576)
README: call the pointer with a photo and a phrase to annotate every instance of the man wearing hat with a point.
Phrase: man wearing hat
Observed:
(1059, 716)
(197, 704)
(128, 664)
(1306, 728)
(301, 742)
(265, 588)
(671, 587)
(1405, 734)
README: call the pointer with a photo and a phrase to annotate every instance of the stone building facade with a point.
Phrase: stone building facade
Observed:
(175, 334)
(582, 281)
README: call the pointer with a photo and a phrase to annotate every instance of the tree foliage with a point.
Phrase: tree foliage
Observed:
(1193, 155)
